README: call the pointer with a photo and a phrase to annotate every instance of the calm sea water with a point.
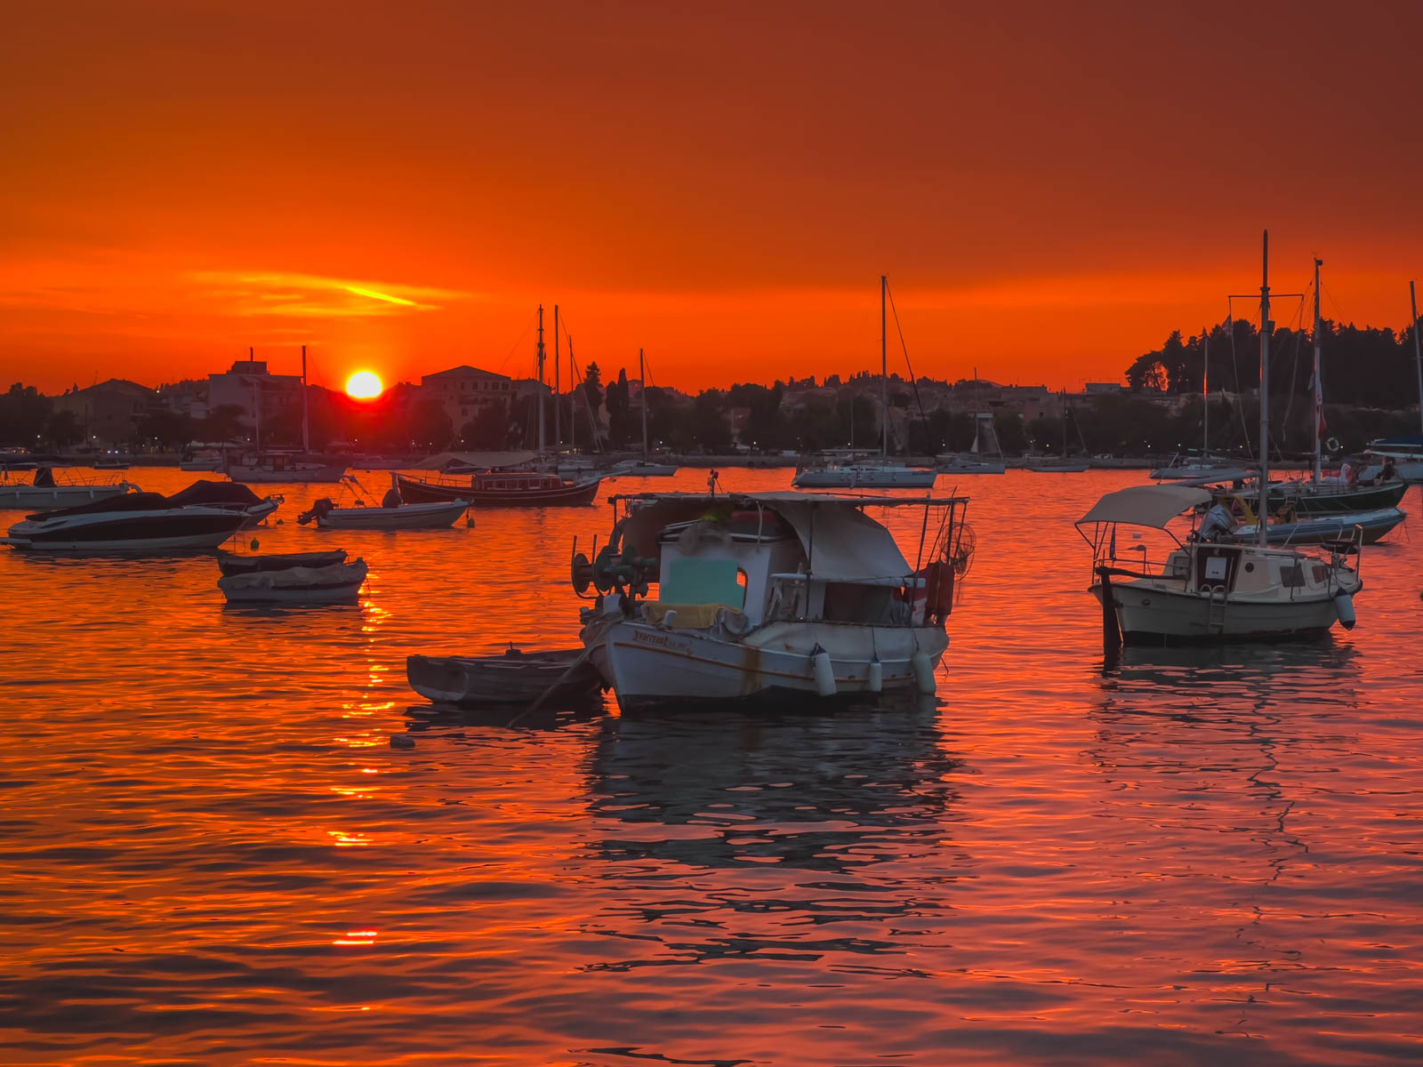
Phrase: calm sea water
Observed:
(212, 855)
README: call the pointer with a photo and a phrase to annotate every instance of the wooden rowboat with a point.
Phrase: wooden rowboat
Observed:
(516, 677)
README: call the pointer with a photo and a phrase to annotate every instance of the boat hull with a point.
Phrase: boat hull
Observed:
(436, 516)
(338, 583)
(648, 665)
(866, 478)
(415, 491)
(1373, 525)
(1331, 501)
(1153, 616)
(196, 529)
(521, 679)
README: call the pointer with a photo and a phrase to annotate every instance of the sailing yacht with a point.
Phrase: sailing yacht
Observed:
(1183, 466)
(1209, 587)
(644, 467)
(870, 474)
(975, 461)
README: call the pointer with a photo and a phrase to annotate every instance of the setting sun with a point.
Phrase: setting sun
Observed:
(363, 385)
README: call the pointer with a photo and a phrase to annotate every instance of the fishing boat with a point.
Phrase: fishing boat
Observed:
(281, 467)
(1208, 587)
(876, 473)
(768, 594)
(501, 489)
(44, 491)
(291, 578)
(515, 677)
(132, 523)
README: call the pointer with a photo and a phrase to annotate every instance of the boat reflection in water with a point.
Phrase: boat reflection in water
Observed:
(705, 818)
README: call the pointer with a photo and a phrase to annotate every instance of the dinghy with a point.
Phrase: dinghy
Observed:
(292, 578)
(516, 677)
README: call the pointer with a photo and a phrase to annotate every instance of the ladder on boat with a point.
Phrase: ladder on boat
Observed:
(1216, 602)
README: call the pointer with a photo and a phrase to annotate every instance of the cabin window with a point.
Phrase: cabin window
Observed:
(1292, 577)
(866, 604)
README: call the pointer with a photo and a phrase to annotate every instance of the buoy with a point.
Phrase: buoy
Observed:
(824, 674)
(1344, 604)
(876, 679)
(923, 672)
(402, 741)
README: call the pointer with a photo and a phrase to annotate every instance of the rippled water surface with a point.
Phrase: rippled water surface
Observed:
(212, 855)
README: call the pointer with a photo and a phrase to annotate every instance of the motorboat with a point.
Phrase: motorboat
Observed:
(438, 515)
(1208, 589)
(768, 594)
(1288, 528)
(231, 496)
(501, 489)
(110, 463)
(132, 523)
(1406, 453)
(202, 460)
(968, 463)
(1185, 467)
(44, 491)
(283, 467)
(1048, 465)
(516, 677)
(291, 578)
(864, 476)
(642, 468)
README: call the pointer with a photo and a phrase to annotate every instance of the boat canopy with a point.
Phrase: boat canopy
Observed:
(1146, 505)
(841, 543)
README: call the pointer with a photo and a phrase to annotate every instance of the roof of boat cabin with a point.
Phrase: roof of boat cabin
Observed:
(1146, 505)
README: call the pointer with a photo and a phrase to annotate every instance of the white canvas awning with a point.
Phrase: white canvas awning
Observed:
(842, 543)
(1146, 505)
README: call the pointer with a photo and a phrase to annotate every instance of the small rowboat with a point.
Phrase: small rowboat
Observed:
(516, 677)
(291, 579)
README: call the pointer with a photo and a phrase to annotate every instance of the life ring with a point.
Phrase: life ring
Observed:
(1332, 444)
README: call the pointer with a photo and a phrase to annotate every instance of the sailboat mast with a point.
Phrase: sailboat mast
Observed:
(642, 377)
(573, 391)
(557, 431)
(1263, 510)
(1206, 398)
(1318, 385)
(305, 406)
(883, 367)
(541, 384)
(1417, 352)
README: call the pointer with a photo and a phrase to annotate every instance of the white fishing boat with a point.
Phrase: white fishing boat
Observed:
(44, 491)
(391, 514)
(133, 523)
(1208, 587)
(769, 593)
(294, 578)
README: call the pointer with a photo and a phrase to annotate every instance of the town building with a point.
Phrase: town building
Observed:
(465, 391)
(248, 385)
(109, 412)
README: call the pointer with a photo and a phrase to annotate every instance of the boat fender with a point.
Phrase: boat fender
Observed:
(876, 678)
(824, 673)
(923, 672)
(670, 619)
(1344, 604)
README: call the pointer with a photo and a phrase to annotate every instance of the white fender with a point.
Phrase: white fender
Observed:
(876, 679)
(824, 674)
(670, 619)
(923, 672)
(1344, 604)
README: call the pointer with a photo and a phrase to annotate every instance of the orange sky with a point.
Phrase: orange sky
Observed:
(721, 184)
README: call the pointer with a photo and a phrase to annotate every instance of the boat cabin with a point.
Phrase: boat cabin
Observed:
(516, 481)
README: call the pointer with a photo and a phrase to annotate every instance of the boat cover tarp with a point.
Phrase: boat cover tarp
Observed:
(842, 543)
(124, 502)
(1146, 505)
(442, 460)
(212, 493)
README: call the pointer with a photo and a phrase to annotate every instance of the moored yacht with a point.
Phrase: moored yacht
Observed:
(283, 467)
(769, 593)
(45, 491)
(135, 522)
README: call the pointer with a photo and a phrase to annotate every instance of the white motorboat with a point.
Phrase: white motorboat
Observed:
(1406, 453)
(296, 578)
(435, 516)
(641, 468)
(864, 476)
(44, 491)
(282, 467)
(768, 594)
(962, 463)
(133, 523)
(1185, 468)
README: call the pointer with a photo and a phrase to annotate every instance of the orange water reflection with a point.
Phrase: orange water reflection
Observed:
(213, 855)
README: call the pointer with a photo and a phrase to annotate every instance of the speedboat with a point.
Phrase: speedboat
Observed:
(1206, 589)
(1288, 528)
(501, 489)
(433, 516)
(864, 476)
(44, 492)
(1184, 467)
(768, 594)
(291, 578)
(135, 523)
(230, 496)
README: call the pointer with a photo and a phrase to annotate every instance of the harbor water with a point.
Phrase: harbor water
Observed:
(213, 855)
